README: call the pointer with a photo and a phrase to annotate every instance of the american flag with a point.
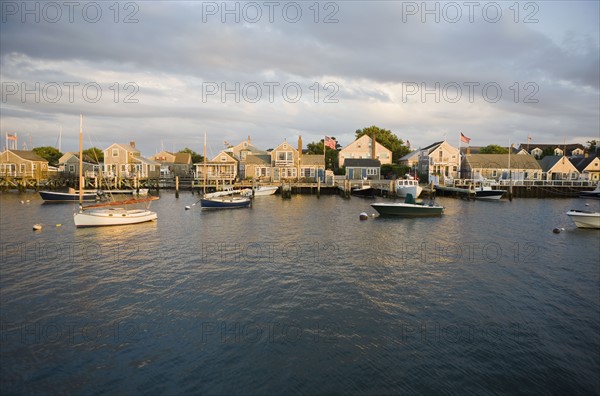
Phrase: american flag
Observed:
(329, 142)
(11, 137)
(464, 139)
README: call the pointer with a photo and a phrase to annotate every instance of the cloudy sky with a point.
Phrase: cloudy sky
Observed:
(164, 73)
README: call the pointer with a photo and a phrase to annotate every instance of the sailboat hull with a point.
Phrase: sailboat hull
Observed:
(52, 196)
(113, 217)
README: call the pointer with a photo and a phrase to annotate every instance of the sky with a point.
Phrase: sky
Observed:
(164, 74)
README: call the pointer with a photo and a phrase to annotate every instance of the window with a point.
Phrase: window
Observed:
(308, 172)
(22, 168)
(115, 152)
(33, 166)
(285, 156)
(372, 171)
(71, 168)
(494, 173)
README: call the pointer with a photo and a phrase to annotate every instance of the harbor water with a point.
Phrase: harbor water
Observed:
(299, 296)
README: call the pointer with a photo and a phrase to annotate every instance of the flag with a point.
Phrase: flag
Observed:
(464, 139)
(11, 137)
(329, 142)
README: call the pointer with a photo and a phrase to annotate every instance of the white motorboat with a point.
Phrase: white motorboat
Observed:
(264, 190)
(585, 219)
(408, 186)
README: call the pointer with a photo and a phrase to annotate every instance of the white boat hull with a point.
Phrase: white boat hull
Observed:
(585, 219)
(261, 191)
(113, 217)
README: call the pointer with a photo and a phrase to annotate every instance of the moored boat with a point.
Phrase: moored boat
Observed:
(585, 219)
(408, 208)
(225, 202)
(408, 186)
(103, 214)
(54, 196)
(364, 190)
(264, 190)
(591, 194)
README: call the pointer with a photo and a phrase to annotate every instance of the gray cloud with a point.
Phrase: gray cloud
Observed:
(372, 53)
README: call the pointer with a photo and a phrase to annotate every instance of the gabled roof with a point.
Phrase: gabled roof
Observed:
(582, 163)
(126, 147)
(410, 155)
(86, 158)
(500, 161)
(27, 155)
(549, 161)
(362, 162)
(432, 147)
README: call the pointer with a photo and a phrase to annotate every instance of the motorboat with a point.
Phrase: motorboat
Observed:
(585, 219)
(408, 208)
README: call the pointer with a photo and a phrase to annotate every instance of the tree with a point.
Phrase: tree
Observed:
(592, 146)
(94, 153)
(387, 139)
(48, 153)
(331, 156)
(547, 151)
(195, 156)
(493, 149)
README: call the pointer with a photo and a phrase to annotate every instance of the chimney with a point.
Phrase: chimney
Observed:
(249, 139)
(468, 151)
(373, 143)
(132, 144)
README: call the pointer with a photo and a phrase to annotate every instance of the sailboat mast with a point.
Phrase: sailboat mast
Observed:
(80, 159)
(204, 171)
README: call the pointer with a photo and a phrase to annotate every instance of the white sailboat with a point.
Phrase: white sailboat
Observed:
(108, 214)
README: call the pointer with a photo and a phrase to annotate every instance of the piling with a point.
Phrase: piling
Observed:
(176, 186)
(318, 188)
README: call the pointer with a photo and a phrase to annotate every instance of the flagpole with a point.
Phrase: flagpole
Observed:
(324, 157)
(459, 155)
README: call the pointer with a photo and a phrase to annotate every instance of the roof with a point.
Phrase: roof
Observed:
(258, 159)
(582, 163)
(566, 148)
(28, 155)
(183, 158)
(313, 159)
(410, 155)
(362, 162)
(500, 161)
(432, 147)
(549, 161)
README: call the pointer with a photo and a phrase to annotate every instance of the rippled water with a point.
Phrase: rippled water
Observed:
(300, 297)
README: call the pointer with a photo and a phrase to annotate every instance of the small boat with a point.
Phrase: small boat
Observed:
(225, 202)
(584, 219)
(103, 214)
(591, 194)
(114, 216)
(486, 192)
(408, 208)
(364, 190)
(264, 190)
(72, 196)
(408, 186)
